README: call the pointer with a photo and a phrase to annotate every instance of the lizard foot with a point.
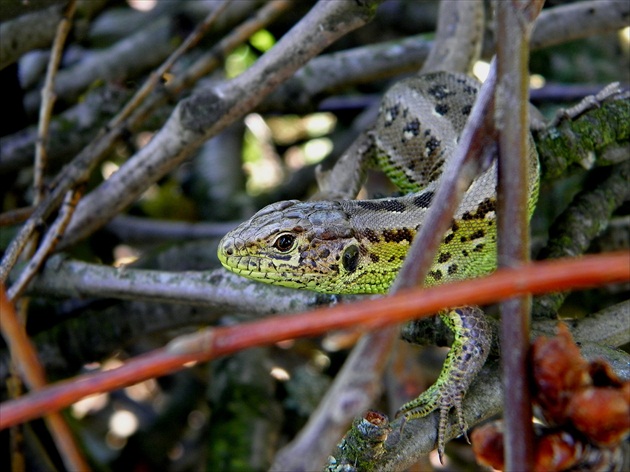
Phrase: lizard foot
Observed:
(473, 339)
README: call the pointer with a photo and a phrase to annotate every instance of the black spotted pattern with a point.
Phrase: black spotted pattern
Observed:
(382, 205)
(440, 92)
(369, 234)
(392, 114)
(485, 207)
(478, 247)
(412, 127)
(444, 257)
(432, 145)
(441, 109)
(424, 199)
(398, 235)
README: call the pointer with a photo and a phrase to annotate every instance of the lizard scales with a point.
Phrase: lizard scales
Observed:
(358, 246)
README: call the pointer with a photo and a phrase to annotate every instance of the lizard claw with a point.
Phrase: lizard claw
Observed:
(444, 399)
(470, 349)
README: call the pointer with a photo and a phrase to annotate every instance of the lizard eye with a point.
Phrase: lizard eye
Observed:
(284, 242)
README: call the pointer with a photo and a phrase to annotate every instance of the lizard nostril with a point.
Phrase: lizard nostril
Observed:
(229, 251)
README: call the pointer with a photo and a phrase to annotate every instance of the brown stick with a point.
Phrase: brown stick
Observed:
(515, 20)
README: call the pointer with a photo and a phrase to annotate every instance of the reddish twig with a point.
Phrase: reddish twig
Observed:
(534, 278)
(25, 357)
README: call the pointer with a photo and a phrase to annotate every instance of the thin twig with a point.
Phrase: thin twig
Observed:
(53, 236)
(153, 80)
(505, 283)
(48, 100)
(24, 355)
(514, 30)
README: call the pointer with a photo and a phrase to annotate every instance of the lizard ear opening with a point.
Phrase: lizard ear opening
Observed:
(350, 258)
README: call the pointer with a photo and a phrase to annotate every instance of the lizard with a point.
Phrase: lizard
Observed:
(345, 246)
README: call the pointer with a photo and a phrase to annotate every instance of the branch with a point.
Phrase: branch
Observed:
(578, 20)
(330, 72)
(48, 100)
(516, 186)
(218, 289)
(47, 246)
(369, 315)
(587, 140)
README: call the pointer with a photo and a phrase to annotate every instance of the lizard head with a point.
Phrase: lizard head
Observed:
(296, 244)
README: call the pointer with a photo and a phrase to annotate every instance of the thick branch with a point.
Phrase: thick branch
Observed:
(218, 289)
(586, 141)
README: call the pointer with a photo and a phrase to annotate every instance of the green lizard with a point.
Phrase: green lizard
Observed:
(358, 246)
(346, 246)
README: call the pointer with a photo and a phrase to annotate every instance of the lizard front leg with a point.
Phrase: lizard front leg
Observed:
(344, 180)
(469, 351)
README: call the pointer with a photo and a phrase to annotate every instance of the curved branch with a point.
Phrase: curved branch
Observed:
(578, 20)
